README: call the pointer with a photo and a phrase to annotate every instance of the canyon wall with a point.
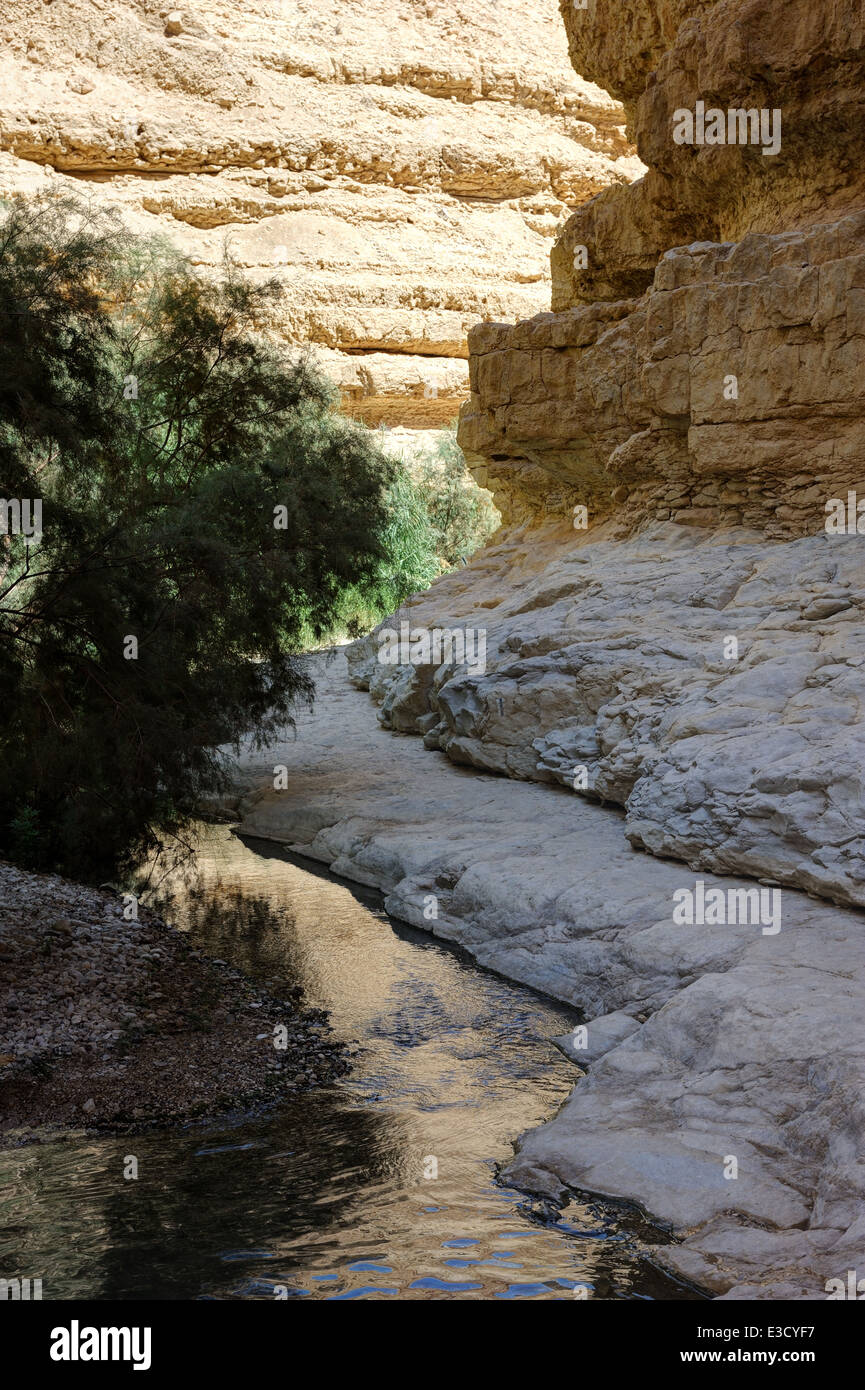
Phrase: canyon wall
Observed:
(674, 624)
(402, 168)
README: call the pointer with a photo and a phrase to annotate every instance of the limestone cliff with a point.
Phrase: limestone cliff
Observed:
(402, 167)
(692, 656)
(698, 648)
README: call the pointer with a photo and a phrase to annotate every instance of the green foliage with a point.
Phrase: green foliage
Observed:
(162, 431)
(462, 514)
(438, 517)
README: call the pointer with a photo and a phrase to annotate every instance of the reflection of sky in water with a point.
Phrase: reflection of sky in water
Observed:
(326, 1197)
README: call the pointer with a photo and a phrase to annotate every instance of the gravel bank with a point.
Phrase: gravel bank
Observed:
(113, 1024)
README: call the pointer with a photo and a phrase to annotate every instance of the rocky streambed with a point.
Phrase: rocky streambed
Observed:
(723, 1065)
(379, 1185)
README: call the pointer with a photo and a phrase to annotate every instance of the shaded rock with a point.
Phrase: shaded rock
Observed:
(590, 1041)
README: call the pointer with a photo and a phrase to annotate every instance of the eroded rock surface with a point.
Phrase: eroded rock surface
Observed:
(725, 1041)
(610, 654)
(730, 391)
(805, 61)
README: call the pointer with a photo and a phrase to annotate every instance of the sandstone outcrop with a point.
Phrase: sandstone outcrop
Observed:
(805, 61)
(696, 649)
(402, 168)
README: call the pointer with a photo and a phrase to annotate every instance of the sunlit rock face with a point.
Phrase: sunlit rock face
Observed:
(659, 56)
(675, 623)
(729, 393)
(608, 671)
(402, 168)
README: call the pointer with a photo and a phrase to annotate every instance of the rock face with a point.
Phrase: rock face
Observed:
(806, 62)
(608, 672)
(403, 168)
(702, 1043)
(673, 622)
(729, 393)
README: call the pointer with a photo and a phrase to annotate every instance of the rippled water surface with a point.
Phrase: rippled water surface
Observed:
(332, 1195)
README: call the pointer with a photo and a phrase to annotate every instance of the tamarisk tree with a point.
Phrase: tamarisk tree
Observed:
(200, 506)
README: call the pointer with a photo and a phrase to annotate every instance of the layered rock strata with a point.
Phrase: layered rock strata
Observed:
(403, 169)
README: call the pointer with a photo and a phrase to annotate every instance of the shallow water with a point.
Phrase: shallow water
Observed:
(379, 1186)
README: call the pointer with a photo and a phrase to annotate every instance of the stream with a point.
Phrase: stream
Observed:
(382, 1185)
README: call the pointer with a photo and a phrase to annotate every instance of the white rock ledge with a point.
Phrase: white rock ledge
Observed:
(753, 1046)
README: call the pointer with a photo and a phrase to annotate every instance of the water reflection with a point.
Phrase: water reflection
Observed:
(380, 1186)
